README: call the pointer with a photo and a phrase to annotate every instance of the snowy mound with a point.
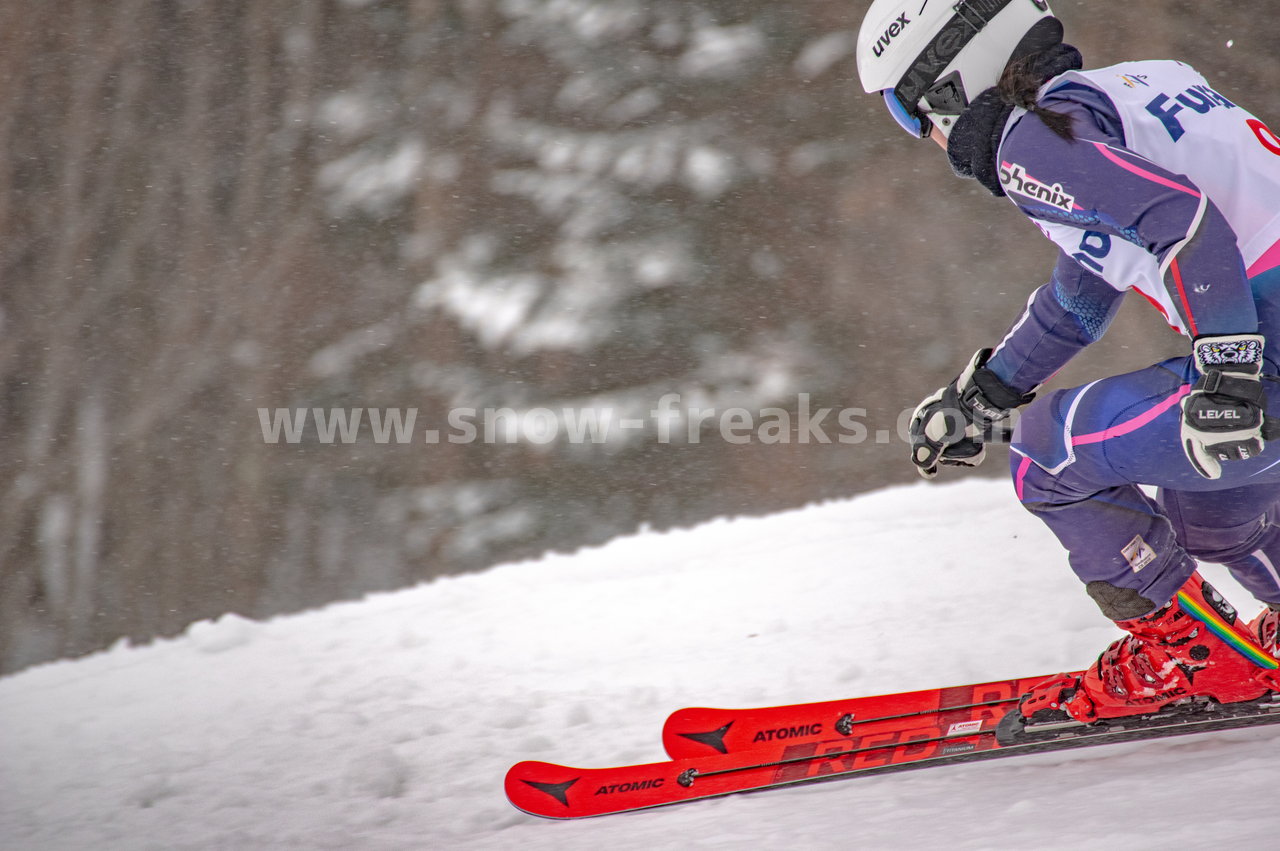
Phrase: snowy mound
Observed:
(389, 723)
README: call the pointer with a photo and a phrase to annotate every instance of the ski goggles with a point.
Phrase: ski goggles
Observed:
(915, 123)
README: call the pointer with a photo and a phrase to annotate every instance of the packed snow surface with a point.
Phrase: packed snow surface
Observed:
(389, 723)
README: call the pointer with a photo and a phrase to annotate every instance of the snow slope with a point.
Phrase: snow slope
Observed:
(389, 723)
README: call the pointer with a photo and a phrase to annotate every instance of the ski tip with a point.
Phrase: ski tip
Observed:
(696, 731)
(560, 792)
(542, 788)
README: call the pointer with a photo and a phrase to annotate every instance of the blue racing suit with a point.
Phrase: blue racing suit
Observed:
(1171, 189)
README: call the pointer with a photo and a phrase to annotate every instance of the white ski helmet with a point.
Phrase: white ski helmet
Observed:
(930, 58)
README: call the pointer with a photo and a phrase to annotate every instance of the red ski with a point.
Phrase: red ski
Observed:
(842, 739)
(699, 731)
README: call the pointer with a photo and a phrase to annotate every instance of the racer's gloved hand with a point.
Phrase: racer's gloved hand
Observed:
(950, 426)
(1222, 416)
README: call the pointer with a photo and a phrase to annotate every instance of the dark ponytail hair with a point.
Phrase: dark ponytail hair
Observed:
(1018, 86)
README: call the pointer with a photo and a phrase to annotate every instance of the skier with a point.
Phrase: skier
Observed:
(1148, 179)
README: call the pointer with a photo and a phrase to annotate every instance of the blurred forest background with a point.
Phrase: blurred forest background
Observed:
(209, 207)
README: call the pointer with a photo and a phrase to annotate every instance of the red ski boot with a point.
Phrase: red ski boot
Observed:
(1192, 650)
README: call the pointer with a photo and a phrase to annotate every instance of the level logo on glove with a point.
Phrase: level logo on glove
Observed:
(1223, 415)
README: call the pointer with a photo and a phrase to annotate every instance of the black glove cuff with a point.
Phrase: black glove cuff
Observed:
(988, 396)
(997, 392)
(1215, 382)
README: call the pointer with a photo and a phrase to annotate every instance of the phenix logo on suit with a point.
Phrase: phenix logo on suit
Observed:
(1014, 178)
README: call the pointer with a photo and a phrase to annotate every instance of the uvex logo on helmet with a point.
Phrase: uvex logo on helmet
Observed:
(894, 30)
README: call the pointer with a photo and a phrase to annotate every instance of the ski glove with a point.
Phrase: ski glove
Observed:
(950, 427)
(1222, 416)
